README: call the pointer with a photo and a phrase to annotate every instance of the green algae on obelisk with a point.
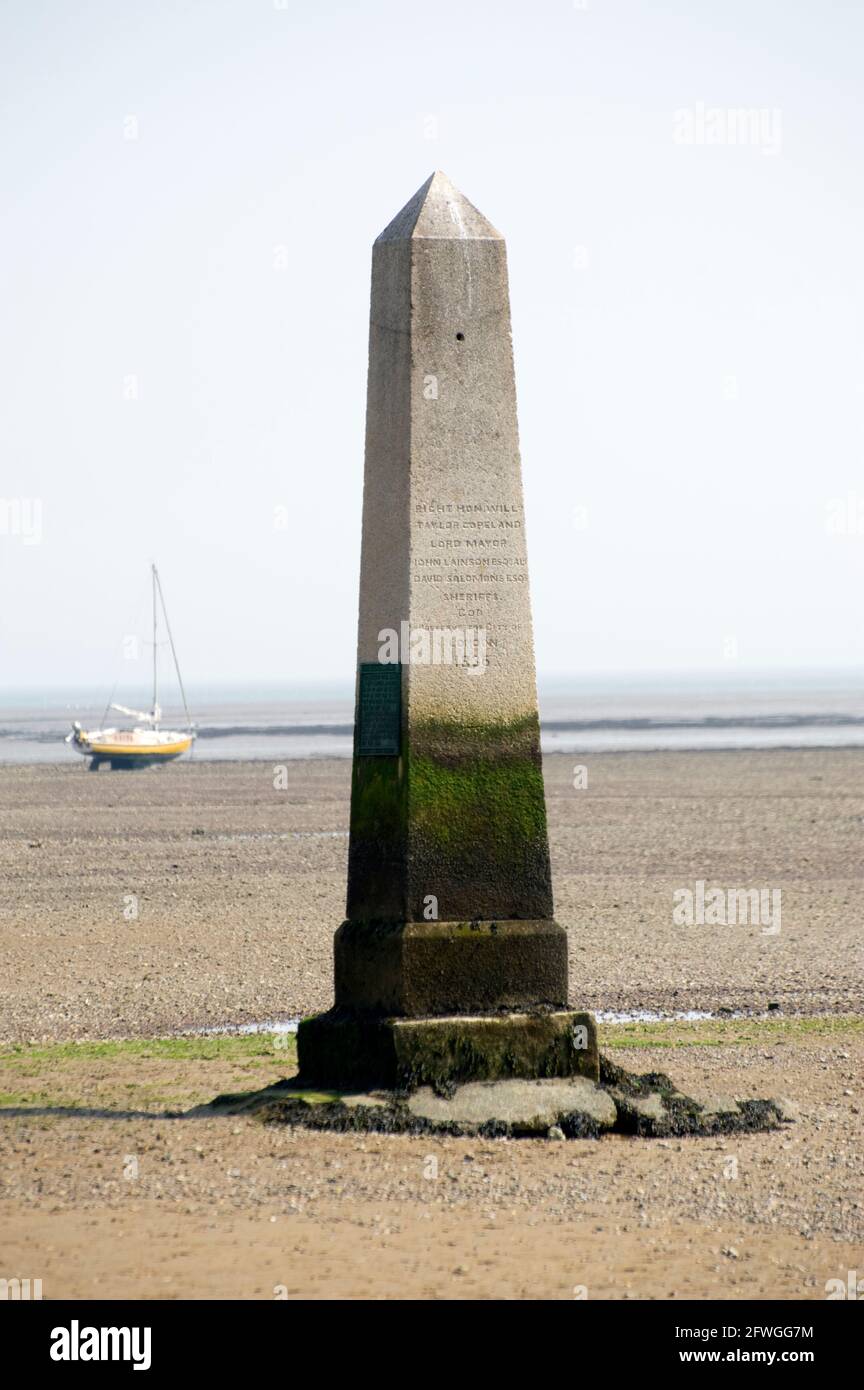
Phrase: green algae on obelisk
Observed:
(450, 965)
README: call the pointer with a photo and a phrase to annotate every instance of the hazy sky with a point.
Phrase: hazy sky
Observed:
(189, 193)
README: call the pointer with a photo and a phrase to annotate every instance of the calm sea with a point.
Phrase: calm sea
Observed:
(596, 715)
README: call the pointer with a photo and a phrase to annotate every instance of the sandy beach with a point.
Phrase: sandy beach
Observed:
(107, 1191)
(198, 896)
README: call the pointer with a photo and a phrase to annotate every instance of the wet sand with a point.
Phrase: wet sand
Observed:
(102, 1206)
(187, 897)
(199, 895)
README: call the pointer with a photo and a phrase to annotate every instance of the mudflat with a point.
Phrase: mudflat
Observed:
(136, 906)
(108, 1190)
(200, 894)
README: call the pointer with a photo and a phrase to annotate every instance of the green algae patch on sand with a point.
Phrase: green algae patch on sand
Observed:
(729, 1032)
(228, 1047)
(138, 1074)
(248, 1102)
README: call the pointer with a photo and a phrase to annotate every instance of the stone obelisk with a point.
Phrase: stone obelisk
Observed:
(450, 964)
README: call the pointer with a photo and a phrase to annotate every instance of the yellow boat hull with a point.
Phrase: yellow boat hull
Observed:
(156, 753)
(125, 750)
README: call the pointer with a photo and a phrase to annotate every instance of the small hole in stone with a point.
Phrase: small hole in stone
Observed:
(460, 337)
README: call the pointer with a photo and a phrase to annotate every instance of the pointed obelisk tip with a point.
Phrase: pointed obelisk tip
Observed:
(438, 211)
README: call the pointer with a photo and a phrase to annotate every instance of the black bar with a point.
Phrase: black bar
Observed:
(228, 1338)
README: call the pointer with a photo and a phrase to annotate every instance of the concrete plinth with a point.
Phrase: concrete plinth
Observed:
(343, 1050)
(418, 968)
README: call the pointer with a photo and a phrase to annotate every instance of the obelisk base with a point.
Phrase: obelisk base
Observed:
(418, 969)
(341, 1050)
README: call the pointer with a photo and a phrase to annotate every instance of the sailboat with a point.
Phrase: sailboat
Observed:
(141, 746)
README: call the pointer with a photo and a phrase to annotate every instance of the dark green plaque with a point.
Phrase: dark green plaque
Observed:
(379, 710)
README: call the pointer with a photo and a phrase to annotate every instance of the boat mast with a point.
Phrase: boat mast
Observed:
(155, 690)
(158, 586)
